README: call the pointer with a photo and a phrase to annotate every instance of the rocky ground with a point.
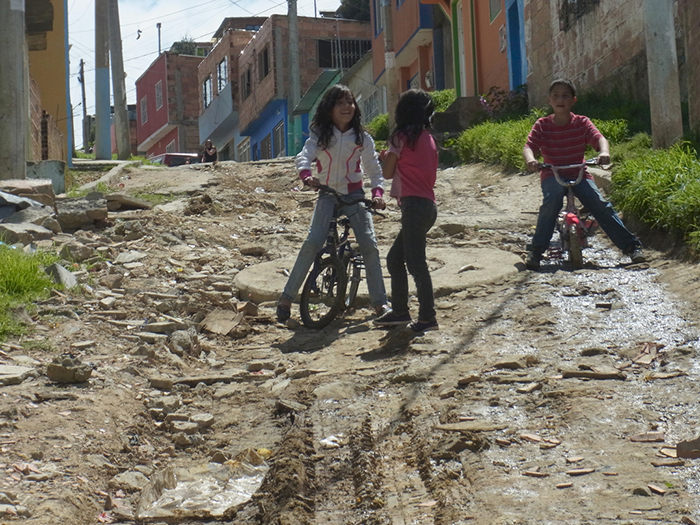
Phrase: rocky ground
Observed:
(155, 392)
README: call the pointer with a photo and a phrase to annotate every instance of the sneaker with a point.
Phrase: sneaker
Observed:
(391, 318)
(637, 256)
(283, 313)
(419, 327)
(381, 310)
(532, 261)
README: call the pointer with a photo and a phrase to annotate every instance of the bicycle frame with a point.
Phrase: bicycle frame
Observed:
(573, 230)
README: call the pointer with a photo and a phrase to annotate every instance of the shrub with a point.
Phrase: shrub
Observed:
(443, 99)
(662, 189)
(500, 104)
(379, 127)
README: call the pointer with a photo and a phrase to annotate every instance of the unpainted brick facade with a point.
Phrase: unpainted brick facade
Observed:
(47, 142)
(183, 108)
(231, 44)
(274, 36)
(605, 49)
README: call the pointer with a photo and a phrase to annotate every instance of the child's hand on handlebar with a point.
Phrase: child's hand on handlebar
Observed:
(312, 182)
(378, 203)
(603, 159)
(532, 165)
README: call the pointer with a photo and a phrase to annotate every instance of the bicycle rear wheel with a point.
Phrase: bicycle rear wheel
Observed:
(353, 271)
(575, 234)
(323, 295)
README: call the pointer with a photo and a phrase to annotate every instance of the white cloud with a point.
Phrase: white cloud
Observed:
(197, 19)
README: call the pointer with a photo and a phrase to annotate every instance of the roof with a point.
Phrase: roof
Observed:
(324, 80)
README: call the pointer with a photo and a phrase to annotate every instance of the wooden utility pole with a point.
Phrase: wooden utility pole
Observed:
(14, 104)
(121, 117)
(103, 139)
(86, 121)
(390, 69)
(662, 67)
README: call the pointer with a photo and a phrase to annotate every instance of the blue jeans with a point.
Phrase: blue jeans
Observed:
(408, 253)
(586, 192)
(362, 225)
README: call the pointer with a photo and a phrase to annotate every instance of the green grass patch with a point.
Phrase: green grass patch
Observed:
(662, 189)
(22, 281)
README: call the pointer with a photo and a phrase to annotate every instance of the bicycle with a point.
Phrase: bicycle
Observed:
(332, 284)
(573, 227)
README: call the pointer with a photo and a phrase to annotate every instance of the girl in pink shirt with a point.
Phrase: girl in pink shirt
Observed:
(411, 162)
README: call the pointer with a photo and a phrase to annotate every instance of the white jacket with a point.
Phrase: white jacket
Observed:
(342, 162)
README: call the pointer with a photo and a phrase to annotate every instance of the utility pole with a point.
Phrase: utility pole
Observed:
(294, 123)
(14, 107)
(390, 61)
(121, 117)
(103, 139)
(86, 122)
(662, 67)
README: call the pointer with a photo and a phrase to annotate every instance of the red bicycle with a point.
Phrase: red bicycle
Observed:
(573, 226)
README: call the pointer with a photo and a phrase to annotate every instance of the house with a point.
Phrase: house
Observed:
(264, 78)
(218, 77)
(50, 109)
(167, 104)
(422, 42)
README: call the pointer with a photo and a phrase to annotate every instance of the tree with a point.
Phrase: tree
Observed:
(354, 9)
(186, 46)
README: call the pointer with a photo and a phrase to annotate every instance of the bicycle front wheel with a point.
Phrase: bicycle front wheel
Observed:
(575, 234)
(323, 295)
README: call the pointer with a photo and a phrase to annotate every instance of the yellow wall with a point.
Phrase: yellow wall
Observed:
(48, 69)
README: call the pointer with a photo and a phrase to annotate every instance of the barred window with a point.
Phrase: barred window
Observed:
(206, 92)
(266, 147)
(244, 150)
(334, 54)
(370, 107)
(263, 64)
(222, 75)
(144, 110)
(159, 95)
(278, 140)
(246, 87)
(572, 10)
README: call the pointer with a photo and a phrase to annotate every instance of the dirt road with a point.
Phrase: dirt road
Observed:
(555, 397)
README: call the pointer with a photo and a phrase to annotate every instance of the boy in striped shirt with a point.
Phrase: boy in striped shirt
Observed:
(562, 138)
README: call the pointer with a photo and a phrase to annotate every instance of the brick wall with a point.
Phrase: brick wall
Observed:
(692, 60)
(46, 140)
(604, 48)
(183, 99)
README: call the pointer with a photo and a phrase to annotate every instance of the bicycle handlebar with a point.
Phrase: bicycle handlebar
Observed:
(367, 202)
(581, 167)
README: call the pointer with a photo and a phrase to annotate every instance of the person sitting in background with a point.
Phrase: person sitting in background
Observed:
(210, 154)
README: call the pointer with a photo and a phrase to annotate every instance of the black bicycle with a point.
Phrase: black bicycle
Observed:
(335, 276)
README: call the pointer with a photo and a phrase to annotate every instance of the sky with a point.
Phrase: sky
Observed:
(196, 19)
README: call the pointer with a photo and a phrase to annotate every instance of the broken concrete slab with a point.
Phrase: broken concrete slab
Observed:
(62, 276)
(14, 375)
(24, 233)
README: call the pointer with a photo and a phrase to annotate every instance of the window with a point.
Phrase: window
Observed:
(263, 64)
(343, 54)
(494, 8)
(572, 10)
(144, 110)
(206, 92)
(266, 147)
(278, 140)
(243, 149)
(170, 148)
(370, 107)
(414, 83)
(378, 16)
(246, 87)
(159, 95)
(222, 75)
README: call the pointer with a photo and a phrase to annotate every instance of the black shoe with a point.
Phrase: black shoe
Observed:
(391, 318)
(637, 256)
(419, 327)
(532, 261)
(283, 313)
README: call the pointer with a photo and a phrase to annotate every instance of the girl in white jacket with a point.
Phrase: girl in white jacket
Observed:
(342, 153)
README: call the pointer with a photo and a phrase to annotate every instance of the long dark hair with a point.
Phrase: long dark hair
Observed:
(414, 113)
(322, 123)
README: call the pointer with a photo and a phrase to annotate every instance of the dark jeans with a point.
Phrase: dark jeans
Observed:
(408, 253)
(586, 192)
